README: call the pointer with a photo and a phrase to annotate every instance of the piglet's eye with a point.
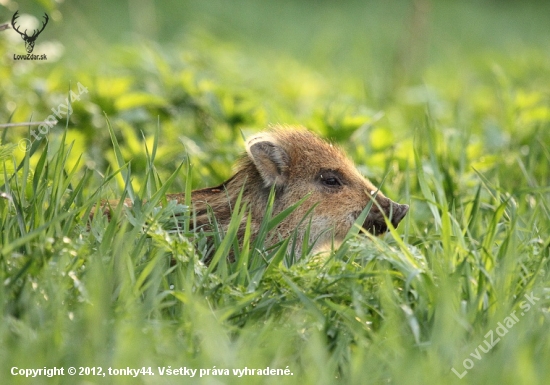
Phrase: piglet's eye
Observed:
(330, 181)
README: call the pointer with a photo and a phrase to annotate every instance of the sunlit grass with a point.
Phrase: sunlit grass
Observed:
(382, 308)
(466, 146)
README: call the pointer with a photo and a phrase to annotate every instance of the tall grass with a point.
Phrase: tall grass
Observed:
(461, 136)
(133, 292)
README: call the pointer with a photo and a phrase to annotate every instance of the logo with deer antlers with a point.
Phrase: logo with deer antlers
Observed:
(29, 40)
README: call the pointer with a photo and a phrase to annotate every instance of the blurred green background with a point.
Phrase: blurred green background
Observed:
(207, 70)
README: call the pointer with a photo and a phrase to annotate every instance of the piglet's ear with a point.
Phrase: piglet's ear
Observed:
(270, 159)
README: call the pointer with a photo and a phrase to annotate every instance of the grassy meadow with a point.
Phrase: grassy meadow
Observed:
(445, 104)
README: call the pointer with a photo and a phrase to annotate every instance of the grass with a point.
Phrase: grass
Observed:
(461, 135)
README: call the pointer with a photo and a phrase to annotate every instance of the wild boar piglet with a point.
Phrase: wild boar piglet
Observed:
(295, 163)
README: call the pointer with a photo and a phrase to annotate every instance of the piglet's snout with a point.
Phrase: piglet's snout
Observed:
(397, 213)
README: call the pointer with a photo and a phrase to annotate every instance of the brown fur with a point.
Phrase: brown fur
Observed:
(297, 163)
